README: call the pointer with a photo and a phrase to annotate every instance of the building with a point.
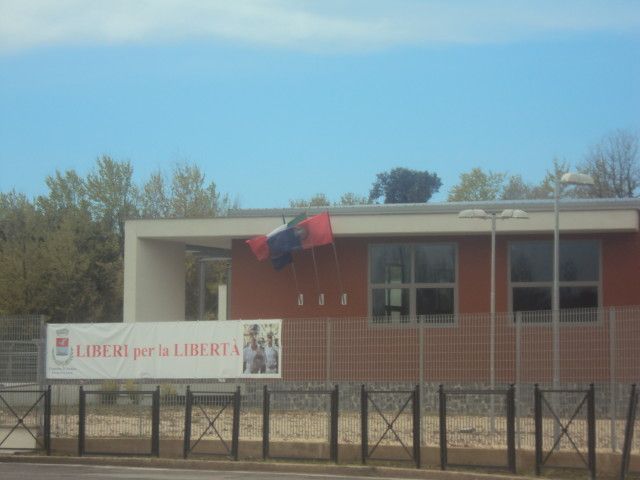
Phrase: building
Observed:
(397, 264)
(397, 261)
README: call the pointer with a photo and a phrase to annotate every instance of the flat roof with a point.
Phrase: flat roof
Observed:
(446, 207)
(429, 219)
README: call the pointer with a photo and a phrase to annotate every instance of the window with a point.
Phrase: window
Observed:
(531, 274)
(408, 281)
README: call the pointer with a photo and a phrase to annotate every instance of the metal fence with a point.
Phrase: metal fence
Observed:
(20, 348)
(599, 346)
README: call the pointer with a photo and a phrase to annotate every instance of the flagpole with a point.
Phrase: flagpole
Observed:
(343, 294)
(295, 280)
(295, 276)
(315, 271)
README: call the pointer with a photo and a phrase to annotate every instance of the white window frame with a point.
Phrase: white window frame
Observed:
(434, 320)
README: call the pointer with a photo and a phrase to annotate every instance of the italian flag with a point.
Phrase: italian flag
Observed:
(300, 233)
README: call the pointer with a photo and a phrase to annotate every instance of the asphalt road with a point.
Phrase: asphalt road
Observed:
(32, 471)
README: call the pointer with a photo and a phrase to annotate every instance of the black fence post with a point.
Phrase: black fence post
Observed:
(511, 429)
(187, 423)
(364, 423)
(628, 432)
(235, 433)
(265, 423)
(81, 421)
(416, 426)
(591, 426)
(47, 420)
(333, 449)
(155, 422)
(442, 404)
(537, 412)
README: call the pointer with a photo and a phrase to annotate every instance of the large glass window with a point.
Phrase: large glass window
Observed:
(531, 275)
(409, 281)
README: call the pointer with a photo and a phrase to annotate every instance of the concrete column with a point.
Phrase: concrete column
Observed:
(154, 280)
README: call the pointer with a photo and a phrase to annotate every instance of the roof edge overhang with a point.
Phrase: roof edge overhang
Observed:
(401, 220)
(448, 207)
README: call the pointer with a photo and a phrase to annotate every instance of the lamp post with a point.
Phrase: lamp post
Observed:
(567, 179)
(493, 216)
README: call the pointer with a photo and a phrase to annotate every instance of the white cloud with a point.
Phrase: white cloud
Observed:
(329, 25)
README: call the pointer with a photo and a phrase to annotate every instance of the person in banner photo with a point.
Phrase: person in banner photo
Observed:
(253, 354)
(271, 354)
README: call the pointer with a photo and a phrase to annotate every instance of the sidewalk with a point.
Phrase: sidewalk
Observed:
(221, 465)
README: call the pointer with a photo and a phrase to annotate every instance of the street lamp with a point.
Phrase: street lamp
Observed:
(570, 178)
(493, 216)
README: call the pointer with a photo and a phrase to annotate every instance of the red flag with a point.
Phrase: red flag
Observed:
(311, 232)
(259, 247)
(315, 231)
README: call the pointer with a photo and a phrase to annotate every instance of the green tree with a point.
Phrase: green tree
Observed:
(67, 192)
(402, 185)
(113, 195)
(80, 267)
(321, 200)
(81, 273)
(154, 200)
(614, 164)
(317, 200)
(21, 239)
(351, 198)
(515, 188)
(477, 185)
(191, 195)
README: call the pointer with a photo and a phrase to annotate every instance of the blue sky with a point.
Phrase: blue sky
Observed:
(278, 99)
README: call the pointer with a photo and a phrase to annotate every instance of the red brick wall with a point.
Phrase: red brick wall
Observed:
(258, 291)
(460, 353)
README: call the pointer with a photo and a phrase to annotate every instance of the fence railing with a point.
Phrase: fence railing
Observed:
(390, 424)
(277, 412)
(105, 419)
(211, 416)
(464, 427)
(566, 426)
(599, 346)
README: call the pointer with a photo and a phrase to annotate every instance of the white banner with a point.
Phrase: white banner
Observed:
(212, 349)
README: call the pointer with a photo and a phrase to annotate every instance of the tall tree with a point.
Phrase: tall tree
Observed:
(515, 188)
(191, 195)
(477, 185)
(351, 198)
(321, 200)
(317, 200)
(67, 192)
(112, 194)
(21, 239)
(402, 185)
(154, 200)
(614, 164)
(80, 277)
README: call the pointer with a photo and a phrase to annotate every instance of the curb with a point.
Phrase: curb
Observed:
(251, 466)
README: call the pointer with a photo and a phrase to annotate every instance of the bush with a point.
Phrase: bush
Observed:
(110, 389)
(132, 388)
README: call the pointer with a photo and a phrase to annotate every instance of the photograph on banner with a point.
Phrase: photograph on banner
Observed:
(261, 355)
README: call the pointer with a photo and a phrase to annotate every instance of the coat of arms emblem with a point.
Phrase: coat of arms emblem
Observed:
(62, 353)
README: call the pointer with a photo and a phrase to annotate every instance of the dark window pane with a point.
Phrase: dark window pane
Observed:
(435, 264)
(531, 261)
(390, 302)
(578, 297)
(579, 260)
(390, 264)
(531, 298)
(434, 301)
